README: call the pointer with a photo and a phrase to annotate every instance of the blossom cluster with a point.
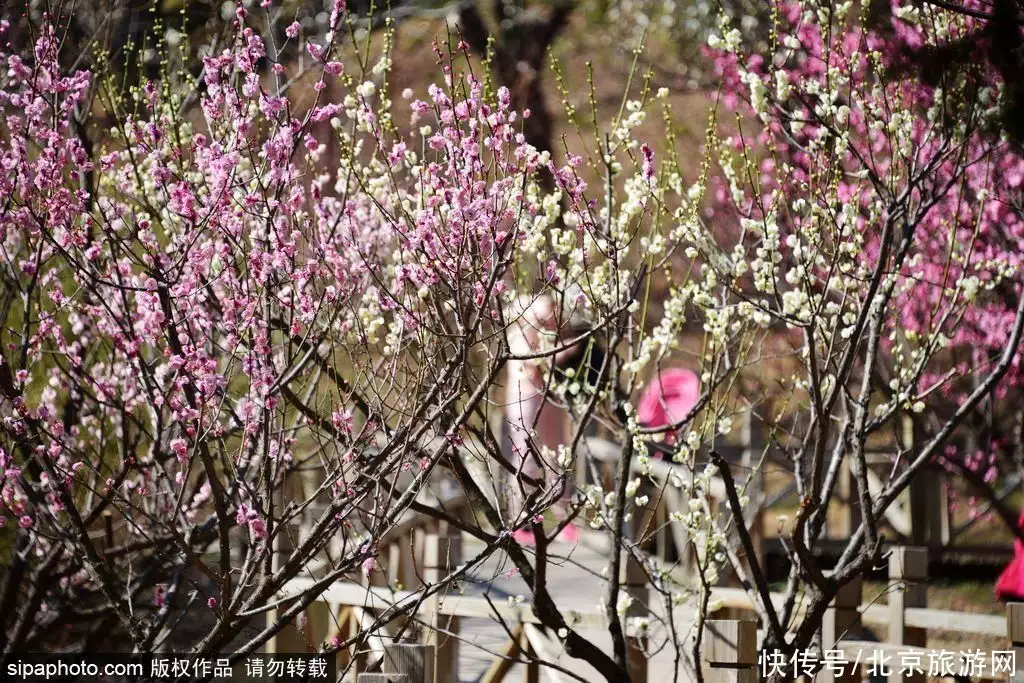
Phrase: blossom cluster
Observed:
(859, 166)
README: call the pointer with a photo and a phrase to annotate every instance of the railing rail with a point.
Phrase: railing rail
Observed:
(421, 549)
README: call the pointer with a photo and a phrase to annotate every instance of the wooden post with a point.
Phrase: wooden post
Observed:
(413, 660)
(908, 568)
(443, 553)
(503, 481)
(753, 447)
(343, 627)
(289, 639)
(319, 614)
(662, 525)
(531, 672)
(501, 664)
(401, 567)
(685, 552)
(929, 521)
(943, 519)
(928, 518)
(730, 651)
(383, 678)
(1015, 632)
(318, 625)
(633, 579)
(374, 578)
(239, 541)
(848, 513)
(842, 620)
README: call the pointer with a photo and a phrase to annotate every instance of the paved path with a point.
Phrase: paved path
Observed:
(576, 584)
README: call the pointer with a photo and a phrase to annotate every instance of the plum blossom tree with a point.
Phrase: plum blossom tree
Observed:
(879, 223)
(218, 312)
(215, 313)
(985, 46)
(980, 212)
(174, 335)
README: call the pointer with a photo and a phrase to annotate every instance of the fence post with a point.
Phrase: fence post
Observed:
(414, 660)
(1015, 632)
(841, 620)
(847, 517)
(401, 567)
(289, 639)
(633, 579)
(531, 672)
(342, 627)
(908, 567)
(730, 651)
(685, 553)
(376, 577)
(929, 505)
(318, 624)
(443, 553)
(662, 525)
(753, 447)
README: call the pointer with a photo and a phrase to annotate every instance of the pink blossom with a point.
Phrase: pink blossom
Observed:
(972, 216)
(648, 161)
(184, 295)
(258, 528)
(338, 8)
(342, 420)
(180, 449)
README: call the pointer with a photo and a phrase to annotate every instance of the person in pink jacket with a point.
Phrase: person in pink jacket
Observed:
(1010, 585)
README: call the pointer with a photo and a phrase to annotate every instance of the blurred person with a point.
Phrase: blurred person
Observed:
(1010, 585)
(537, 426)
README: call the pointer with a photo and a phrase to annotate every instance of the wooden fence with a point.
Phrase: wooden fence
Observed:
(421, 550)
(905, 618)
(416, 553)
